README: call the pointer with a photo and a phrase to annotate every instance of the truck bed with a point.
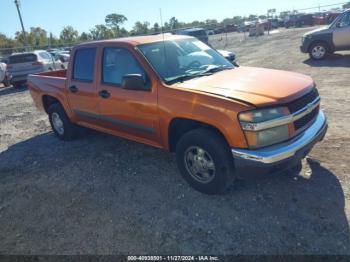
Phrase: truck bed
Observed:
(47, 83)
(57, 73)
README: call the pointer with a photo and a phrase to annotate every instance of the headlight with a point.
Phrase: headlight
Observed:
(260, 128)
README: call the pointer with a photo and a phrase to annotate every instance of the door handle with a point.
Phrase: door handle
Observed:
(104, 94)
(73, 89)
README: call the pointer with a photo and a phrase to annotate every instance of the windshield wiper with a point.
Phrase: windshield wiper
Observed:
(214, 69)
(183, 78)
(209, 71)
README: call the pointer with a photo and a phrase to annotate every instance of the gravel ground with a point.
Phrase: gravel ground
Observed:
(105, 195)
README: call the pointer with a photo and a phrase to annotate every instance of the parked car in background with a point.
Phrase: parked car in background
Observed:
(62, 58)
(22, 64)
(210, 32)
(199, 33)
(229, 28)
(266, 24)
(219, 30)
(192, 101)
(328, 39)
(5, 77)
(246, 25)
(299, 20)
(304, 20)
(4, 60)
(289, 21)
(229, 55)
(274, 23)
(257, 29)
(319, 18)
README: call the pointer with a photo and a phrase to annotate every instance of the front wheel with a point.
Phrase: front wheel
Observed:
(318, 51)
(60, 123)
(205, 161)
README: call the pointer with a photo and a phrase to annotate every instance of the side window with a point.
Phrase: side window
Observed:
(118, 62)
(345, 20)
(45, 56)
(84, 64)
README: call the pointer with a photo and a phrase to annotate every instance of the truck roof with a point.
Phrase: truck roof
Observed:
(137, 40)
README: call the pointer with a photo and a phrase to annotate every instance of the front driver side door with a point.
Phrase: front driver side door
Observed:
(129, 113)
(341, 34)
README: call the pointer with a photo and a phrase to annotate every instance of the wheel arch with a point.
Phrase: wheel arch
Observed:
(323, 40)
(49, 100)
(179, 126)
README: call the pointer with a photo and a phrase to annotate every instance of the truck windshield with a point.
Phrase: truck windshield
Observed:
(180, 60)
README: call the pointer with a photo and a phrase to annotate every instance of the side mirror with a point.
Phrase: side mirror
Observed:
(134, 82)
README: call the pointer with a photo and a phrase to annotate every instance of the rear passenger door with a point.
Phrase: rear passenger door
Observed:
(129, 113)
(82, 94)
(341, 34)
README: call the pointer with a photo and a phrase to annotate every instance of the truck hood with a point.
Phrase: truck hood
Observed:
(256, 86)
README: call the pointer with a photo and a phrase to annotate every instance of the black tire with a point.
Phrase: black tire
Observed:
(217, 149)
(70, 130)
(321, 46)
(17, 84)
(7, 81)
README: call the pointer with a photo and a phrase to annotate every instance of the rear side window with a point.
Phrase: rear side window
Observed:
(24, 58)
(198, 33)
(84, 64)
(45, 55)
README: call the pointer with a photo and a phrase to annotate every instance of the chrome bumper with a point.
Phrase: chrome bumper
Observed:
(297, 147)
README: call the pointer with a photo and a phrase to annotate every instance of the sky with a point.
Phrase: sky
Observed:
(53, 15)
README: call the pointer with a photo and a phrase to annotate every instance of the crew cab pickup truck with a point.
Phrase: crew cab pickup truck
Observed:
(176, 93)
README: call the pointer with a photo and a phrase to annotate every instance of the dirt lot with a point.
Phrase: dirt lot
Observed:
(105, 195)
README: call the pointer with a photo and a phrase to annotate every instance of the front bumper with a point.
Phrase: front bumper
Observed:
(303, 49)
(295, 149)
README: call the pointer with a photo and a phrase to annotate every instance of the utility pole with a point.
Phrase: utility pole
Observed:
(20, 18)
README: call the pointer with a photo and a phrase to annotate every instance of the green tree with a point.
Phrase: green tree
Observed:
(84, 37)
(156, 28)
(20, 39)
(173, 23)
(100, 32)
(6, 42)
(69, 35)
(114, 21)
(140, 28)
(38, 37)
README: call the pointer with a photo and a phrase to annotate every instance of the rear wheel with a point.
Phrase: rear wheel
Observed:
(318, 51)
(205, 161)
(7, 81)
(60, 123)
(17, 84)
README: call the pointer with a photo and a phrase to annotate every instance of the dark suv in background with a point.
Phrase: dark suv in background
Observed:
(328, 39)
(199, 33)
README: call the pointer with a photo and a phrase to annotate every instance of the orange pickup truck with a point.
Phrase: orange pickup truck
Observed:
(178, 94)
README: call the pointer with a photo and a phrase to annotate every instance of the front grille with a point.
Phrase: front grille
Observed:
(298, 104)
(305, 120)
